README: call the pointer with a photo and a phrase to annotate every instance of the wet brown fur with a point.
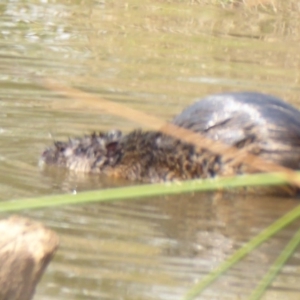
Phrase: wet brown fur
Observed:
(261, 124)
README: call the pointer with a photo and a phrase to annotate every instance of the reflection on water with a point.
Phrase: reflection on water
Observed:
(155, 56)
(160, 247)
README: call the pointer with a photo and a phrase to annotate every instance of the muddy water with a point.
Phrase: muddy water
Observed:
(155, 56)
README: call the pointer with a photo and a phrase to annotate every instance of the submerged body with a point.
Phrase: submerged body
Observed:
(262, 124)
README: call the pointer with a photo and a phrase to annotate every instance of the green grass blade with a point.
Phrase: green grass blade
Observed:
(243, 251)
(276, 267)
(133, 192)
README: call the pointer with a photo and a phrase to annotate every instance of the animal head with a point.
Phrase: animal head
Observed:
(87, 154)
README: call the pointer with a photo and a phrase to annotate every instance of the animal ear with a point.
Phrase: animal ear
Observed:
(111, 148)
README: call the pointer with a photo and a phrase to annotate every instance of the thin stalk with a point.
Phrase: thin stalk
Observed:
(242, 252)
(134, 192)
(276, 267)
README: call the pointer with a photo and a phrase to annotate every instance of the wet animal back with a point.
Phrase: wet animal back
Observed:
(269, 125)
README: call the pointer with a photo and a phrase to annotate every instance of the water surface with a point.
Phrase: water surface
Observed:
(157, 57)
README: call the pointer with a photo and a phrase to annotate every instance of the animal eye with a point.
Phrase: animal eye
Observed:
(111, 148)
(60, 146)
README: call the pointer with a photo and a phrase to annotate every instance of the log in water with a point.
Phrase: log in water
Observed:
(26, 248)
